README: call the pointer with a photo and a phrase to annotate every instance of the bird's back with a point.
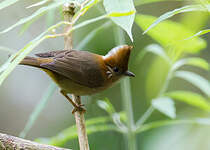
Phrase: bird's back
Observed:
(80, 67)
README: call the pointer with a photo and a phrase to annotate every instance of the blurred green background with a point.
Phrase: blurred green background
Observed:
(23, 89)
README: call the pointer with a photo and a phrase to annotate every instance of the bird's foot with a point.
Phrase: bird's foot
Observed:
(79, 108)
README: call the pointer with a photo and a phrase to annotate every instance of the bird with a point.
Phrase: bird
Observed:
(81, 72)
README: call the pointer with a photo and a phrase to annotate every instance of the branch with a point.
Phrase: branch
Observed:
(68, 12)
(8, 142)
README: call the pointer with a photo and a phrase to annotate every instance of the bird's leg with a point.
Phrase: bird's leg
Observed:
(77, 107)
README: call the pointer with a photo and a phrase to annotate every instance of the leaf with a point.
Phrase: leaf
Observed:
(26, 25)
(123, 6)
(86, 22)
(174, 12)
(202, 32)
(116, 118)
(158, 50)
(205, 4)
(92, 34)
(90, 4)
(201, 18)
(36, 14)
(190, 98)
(157, 124)
(7, 3)
(203, 121)
(193, 61)
(142, 2)
(94, 125)
(7, 49)
(39, 107)
(165, 105)
(196, 80)
(156, 77)
(38, 3)
(7, 63)
(32, 44)
(106, 105)
(171, 35)
(20, 55)
(50, 17)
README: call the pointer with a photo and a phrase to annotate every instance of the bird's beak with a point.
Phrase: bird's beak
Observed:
(130, 74)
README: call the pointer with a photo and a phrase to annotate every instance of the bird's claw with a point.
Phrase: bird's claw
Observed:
(79, 108)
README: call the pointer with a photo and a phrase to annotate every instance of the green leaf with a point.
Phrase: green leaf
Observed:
(190, 98)
(174, 12)
(86, 22)
(193, 61)
(92, 34)
(203, 121)
(36, 14)
(38, 3)
(20, 55)
(196, 80)
(32, 44)
(116, 118)
(141, 2)
(205, 4)
(7, 49)
(165, 105)
(90, 4)
(158, 50)
(94, 125)
(7, 63)
(26, 25)
(156, 77)
(202, 32)
(7, 3)
(157, 124)
(106, 105)
(124, 6)
(50, 17)
(201, 18)
(174, 40)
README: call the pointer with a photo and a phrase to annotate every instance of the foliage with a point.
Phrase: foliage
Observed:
(172, 44)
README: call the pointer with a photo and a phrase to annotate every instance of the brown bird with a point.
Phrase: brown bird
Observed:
(82, 72)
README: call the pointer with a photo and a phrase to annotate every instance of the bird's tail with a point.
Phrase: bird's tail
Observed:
(35, 62)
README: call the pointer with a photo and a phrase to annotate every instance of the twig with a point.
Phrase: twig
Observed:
(80, 123)
(80, 13)
(8, 142)
(68, 10)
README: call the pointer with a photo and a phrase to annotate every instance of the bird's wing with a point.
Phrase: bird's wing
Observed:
(79, 66)
(51, 53)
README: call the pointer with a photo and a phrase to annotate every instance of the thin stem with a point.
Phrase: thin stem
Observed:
(127, 99)
(166, 83)
(87, 22)
(81, 12)
(127, 102)
(145, 116)
(79, 115)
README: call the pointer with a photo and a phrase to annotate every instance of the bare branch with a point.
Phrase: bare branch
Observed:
(8, 142)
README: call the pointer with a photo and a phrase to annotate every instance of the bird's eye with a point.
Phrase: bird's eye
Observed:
(116, 69)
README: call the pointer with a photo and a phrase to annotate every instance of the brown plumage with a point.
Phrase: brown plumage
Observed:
(82, 72)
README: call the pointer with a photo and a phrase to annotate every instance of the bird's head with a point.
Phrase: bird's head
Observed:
(117, 62)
